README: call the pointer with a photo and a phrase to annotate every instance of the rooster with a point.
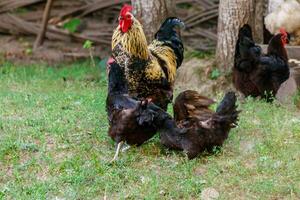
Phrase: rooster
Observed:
(150, 70)
(205, 129)
(256, 74)
(287, 16)
(132, 121)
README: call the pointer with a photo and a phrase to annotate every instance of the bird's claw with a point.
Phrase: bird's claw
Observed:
(115, 158)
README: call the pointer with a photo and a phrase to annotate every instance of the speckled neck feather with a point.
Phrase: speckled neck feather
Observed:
(133, 42)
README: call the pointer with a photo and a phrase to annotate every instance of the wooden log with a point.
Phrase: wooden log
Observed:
(203, 17)
(90, 8)
(9, 5)
(293, 51)
(202, 20)
(194, 16)
(100, 16)
(196, 32)
(205, 3)
(52, 33)
(40, 38)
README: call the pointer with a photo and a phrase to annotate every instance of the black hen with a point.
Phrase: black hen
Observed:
(255, 74)
(205, 128)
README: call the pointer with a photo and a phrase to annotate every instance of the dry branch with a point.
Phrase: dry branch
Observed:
(98, 19)
(9, 5)
(40, 38)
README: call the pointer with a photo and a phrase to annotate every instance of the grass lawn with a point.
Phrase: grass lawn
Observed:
(54, 145)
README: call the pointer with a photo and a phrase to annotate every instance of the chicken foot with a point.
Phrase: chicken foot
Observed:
(120, 144)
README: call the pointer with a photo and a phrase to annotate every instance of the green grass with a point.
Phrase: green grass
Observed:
(189, 54)
(54, 144)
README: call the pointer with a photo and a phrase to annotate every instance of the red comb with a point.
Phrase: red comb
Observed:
(126, 8)
(283, 31)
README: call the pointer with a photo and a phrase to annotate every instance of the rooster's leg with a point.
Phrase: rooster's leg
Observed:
(117, 151)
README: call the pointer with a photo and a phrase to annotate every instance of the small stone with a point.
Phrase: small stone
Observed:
(287, 90)
(209, 194)
(162, 192)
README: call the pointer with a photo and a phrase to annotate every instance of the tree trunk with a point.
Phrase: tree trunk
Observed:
(258, 20)
(233, 14)
(151, 13)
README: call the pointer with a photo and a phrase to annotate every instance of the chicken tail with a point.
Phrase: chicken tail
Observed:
(227, 113)
(221, 122)
(244, 42)
(166, 30)
(245, 31)
(171, 38)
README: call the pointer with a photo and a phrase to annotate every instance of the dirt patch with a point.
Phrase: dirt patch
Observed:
(247, 147)
(19, 50)
(43, 173)
(195, 74)
(200, 171)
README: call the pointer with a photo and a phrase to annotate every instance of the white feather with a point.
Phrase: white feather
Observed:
(287, 16)
(274, 4)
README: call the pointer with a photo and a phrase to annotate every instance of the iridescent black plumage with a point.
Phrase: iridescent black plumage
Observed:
(256, 74)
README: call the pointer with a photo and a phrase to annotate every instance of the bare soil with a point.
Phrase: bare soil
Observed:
(195, 74)
(19, 50)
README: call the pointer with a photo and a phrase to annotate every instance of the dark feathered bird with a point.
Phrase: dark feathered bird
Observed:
(256, 74)
(130, 120)
(205, 128)
(150, 70)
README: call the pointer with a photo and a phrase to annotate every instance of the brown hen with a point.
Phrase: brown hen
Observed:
(205, 128)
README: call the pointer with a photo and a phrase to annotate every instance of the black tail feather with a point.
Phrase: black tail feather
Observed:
(167, 34)
(227, 110)
(247, 52)
(166, 30)
(227, 105)
(246, 31)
